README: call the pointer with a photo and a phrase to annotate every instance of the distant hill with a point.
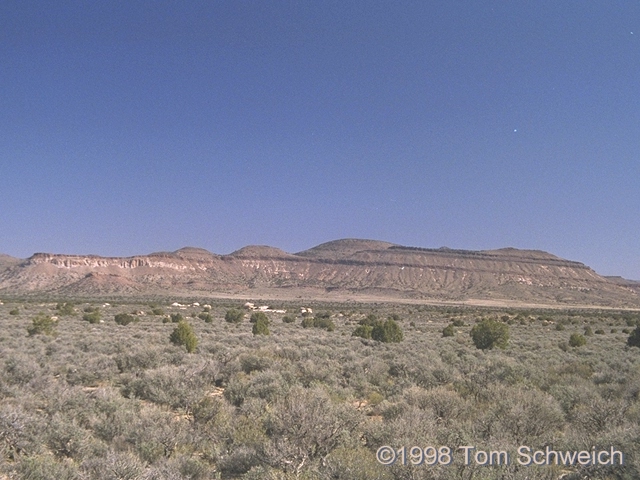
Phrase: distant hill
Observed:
(339, 270)
(7, 261)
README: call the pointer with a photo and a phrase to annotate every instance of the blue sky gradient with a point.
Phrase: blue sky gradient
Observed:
(133, 127)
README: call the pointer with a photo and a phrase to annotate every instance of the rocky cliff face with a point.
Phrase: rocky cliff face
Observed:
(350, 267)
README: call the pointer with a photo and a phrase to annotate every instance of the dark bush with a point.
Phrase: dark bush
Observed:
(184, 335)
(599, 331)
(388, 332)
(634, 338)
(259, 317)
(362, 331)
(42, 324)
(489, 333)
(206, 317)
(260, 327)
(588, 332)
(14, 311)
(325, 323)
(448, 331)
(370, 320)
(65, 308)
(157, 311)
(288, 319)
(176, 318)
(234, 315)
(124, 318)
(577, 340)
(458, 322)
(92, 317)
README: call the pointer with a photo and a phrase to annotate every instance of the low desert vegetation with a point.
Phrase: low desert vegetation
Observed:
(577, 340)
(260, 327)
(42, 324)
(217, 399)
(183, 335)
(383, 331)
(490, 333)
(634, 338)
(448, 331)
(124, 318)
(234, 315)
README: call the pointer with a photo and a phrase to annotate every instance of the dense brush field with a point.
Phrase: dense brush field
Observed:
(108, 401)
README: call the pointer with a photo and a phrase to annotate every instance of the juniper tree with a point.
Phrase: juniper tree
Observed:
(489, 333)
(183, 335)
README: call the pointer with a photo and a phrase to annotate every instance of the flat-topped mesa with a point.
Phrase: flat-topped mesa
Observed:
(509, 254)
(95, 261)
(258, 252)
(344, 248)
(194, 254)
(348, 267)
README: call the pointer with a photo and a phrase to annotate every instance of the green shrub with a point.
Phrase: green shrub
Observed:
(176, 318)
(183, 335)
(14, 311)
(325, 323)
(488, 334)
(259, 317)
(234, 315)
(634, 338)
(577, 340)
(157, 311)
(42, 324)
(362, 331)
(388, 332)
(90, 309)
(599, 331)
(206, 317)
(260, 327)
(92, 317)
(288, 319)
(65, 308)
(448, 331)
(370, 320)
(458, 322)
(559, 327)
(124, 318)
(587, 331)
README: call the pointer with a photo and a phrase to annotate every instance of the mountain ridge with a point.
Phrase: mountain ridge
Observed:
(347, 268)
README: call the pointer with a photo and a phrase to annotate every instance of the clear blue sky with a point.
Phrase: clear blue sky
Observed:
(128, 127)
